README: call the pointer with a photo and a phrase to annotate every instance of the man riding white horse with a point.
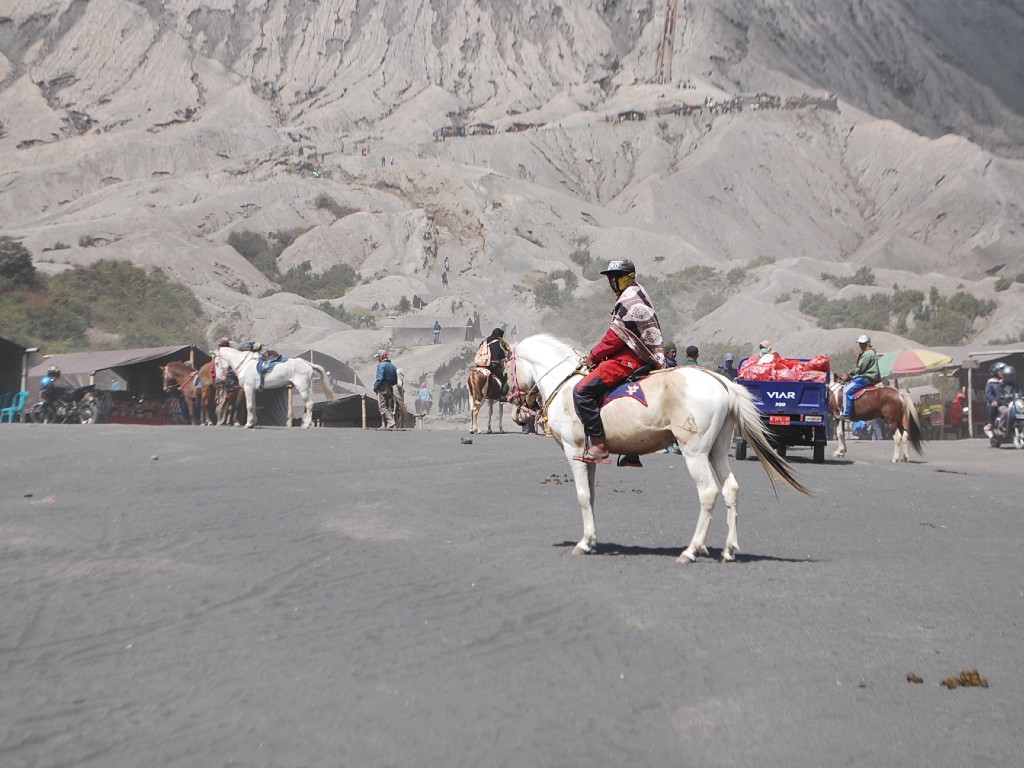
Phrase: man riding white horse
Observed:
(632, 342)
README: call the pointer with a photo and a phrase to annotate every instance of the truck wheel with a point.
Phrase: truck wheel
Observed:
(819, 453)
(741, 450)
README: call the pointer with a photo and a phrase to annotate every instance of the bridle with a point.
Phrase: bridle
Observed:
(173, 378)
(519, 397)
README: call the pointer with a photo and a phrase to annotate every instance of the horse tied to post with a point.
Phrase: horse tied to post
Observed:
(182, 376)
(691, 406)
(892, 405)
(484, 385)
(294, 371)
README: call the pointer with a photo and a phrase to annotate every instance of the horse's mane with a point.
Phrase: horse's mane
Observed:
(546, 340)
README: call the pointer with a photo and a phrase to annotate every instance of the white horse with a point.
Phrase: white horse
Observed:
(691, 406)
(295, 371)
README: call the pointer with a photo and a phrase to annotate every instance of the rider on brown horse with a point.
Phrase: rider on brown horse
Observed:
(866, 374)
(498, 348)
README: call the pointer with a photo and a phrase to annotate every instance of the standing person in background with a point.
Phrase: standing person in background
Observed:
(384, 386)
(424, 401)
(691, 356)
(437, 331)
(726, 368)
(992, 387)
(670, 356)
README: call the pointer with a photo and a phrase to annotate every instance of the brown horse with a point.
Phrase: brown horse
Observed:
(893, 405)
(183, 377)
(484, 385)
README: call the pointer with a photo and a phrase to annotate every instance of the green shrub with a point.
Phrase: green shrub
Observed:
(16, 268)
(1003, 284)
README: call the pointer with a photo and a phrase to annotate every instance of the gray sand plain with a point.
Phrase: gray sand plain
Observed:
(184, 596)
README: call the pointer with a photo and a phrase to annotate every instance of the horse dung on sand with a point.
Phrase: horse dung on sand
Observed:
(691, 406)
(888, 403)
(295, 371)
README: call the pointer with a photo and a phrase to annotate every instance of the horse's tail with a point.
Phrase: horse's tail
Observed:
(748, 419)
(912, 423)
(328, 392)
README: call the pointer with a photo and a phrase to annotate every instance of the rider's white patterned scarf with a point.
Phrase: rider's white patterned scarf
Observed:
(635, 322)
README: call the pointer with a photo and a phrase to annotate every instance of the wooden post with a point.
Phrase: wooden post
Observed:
(362, 399)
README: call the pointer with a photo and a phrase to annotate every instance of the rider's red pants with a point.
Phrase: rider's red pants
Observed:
(591, 391)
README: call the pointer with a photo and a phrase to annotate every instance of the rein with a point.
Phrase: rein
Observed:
(516, 392)
(189, 373)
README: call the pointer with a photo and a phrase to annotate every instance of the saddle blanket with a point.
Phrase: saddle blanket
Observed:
(627, 389)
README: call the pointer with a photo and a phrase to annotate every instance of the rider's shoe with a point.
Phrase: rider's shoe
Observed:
(597, 453)
(988, 430)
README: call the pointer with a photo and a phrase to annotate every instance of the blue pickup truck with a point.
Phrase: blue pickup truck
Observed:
(795, 412)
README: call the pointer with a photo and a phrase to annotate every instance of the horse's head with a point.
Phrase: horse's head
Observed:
(169, 382)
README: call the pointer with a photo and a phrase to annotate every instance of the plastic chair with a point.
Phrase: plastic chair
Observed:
(16, 407)
(5, 399)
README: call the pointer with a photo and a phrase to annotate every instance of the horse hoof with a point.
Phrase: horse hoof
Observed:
(686, 559)
(579, 550)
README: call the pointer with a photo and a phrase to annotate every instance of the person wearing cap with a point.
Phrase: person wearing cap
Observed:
(692, 353)
(726, 368)
(866, 374)
(670, 356)
(499, 350)
(384, 386)
(633, 340)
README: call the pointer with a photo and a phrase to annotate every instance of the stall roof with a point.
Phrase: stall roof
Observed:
(85, 363)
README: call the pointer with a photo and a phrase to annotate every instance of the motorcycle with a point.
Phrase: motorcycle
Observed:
(1010, 425)
(61, 405)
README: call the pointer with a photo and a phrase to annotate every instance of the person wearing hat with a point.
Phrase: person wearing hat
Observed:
(866, 374)
(633, 340)
(726, 368)
(499, 349)
(384, 386)
(767, 352)
(691, 355)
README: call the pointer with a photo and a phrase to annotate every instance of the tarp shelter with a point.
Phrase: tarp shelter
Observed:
(13, 366)
(347, 412)
(417, 330)
(140, 368)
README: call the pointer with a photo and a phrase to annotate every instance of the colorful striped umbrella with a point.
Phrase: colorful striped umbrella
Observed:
(906, 362)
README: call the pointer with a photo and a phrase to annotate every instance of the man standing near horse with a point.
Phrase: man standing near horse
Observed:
(384, 386)
(633, 341)
(866, 374)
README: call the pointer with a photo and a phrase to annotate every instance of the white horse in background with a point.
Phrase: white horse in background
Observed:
(691, 406)
(295, 371)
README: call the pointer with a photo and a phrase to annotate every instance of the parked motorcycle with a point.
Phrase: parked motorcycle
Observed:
(1010, 425)
(66, 406)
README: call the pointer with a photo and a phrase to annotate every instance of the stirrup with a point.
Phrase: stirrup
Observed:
(628, 460)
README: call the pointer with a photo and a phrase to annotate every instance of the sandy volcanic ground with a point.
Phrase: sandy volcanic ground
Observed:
(204, 597)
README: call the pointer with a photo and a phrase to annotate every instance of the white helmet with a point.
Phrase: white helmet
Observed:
(864, 339)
